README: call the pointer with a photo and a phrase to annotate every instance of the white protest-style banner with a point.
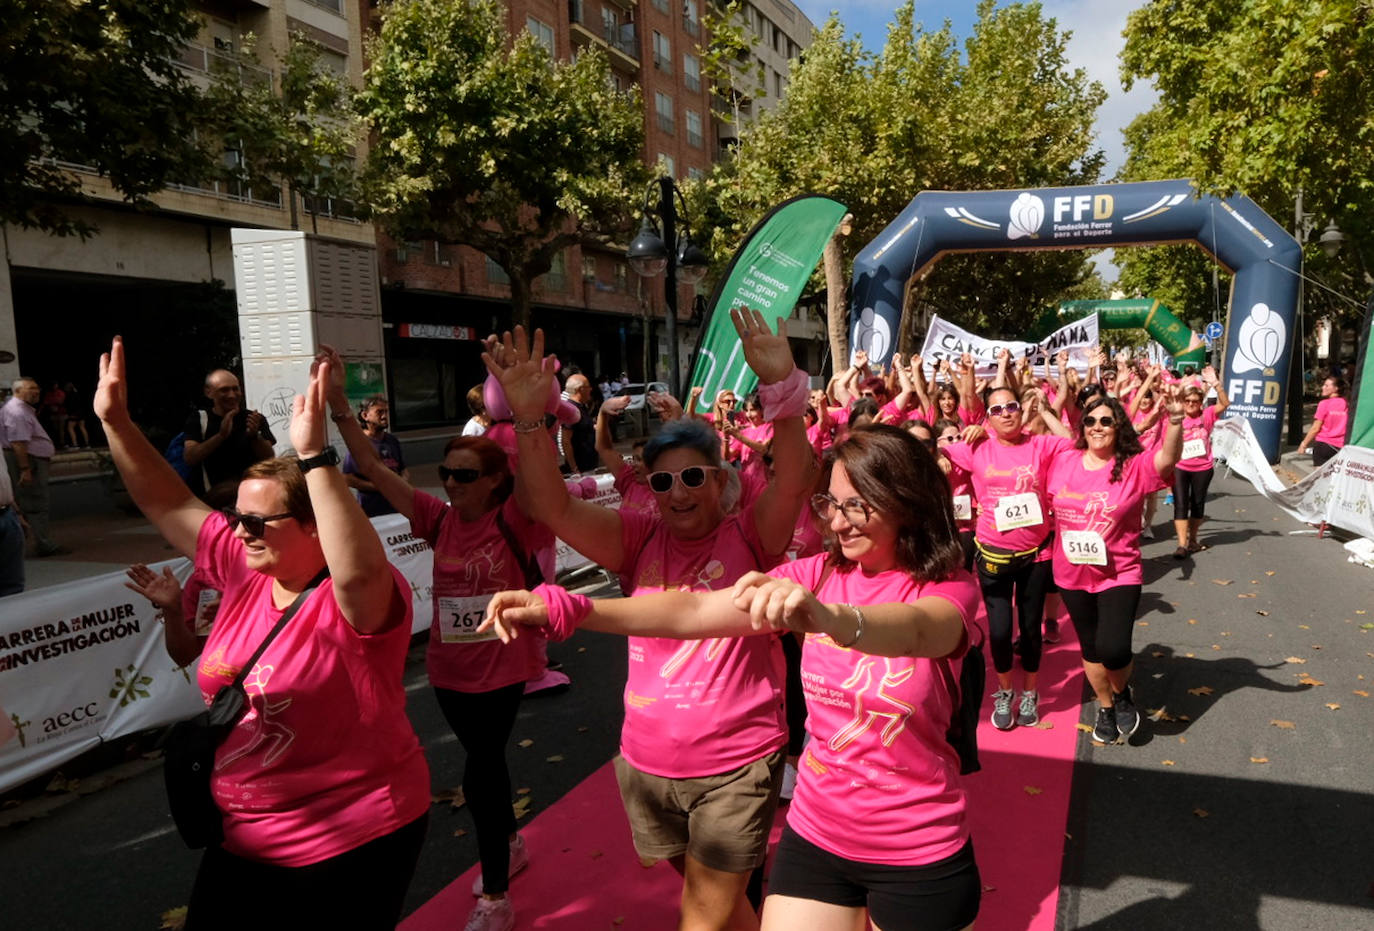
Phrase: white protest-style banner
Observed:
(947, 342)
(84, 662)
(1339, 493)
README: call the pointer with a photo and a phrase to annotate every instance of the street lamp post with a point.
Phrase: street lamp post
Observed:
(649, 255)
(1330, 242)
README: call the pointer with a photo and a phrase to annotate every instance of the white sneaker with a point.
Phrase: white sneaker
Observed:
(492, 915)
(1147, 532)
(789, 781)
(519, 859)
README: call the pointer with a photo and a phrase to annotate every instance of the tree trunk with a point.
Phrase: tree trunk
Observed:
(520, 300)
(836, 313)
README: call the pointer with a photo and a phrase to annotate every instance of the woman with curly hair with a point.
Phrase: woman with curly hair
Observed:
(1097, 488)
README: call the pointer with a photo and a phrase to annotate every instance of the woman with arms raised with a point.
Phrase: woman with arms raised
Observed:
(322, 784)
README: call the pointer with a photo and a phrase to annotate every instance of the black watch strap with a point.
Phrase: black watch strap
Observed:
(330, 457)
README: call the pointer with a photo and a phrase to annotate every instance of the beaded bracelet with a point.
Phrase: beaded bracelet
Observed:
(527, 426)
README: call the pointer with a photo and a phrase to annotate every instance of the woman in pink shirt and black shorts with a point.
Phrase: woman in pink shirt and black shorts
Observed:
(878, 829)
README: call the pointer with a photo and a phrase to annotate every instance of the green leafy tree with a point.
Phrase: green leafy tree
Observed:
(1266, 98)
(1005, 111)
(494, 145)
(93, 84)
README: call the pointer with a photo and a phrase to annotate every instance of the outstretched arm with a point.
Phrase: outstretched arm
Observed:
(150, 480)
(1171, 447)
(398, 492)
(605, 439)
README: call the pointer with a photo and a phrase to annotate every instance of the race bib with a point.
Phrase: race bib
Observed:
(207, 603)
(1084, 547)
(460, 617)
(1194, 449)
(1021, 510)
(963, 507)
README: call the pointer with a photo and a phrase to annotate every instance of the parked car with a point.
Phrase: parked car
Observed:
(635, 392)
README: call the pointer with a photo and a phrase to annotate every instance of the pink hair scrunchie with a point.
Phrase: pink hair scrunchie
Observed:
(786, 398)
(566, 610)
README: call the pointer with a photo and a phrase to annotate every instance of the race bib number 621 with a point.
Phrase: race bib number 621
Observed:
(459, 619)
(1021, 510)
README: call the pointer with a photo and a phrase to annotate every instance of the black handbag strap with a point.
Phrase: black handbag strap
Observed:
(272, 635)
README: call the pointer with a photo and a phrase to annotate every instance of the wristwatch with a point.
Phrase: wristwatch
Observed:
(330, 457)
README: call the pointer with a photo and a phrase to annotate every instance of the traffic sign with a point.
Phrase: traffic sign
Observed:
(1213, 331)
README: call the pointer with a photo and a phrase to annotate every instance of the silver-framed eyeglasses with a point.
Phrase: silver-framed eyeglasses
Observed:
(855, 510)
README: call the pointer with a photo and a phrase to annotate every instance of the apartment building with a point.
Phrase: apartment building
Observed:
(151, 274)
(438, 300)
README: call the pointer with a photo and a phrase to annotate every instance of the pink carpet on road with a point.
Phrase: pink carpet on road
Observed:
(584, 874)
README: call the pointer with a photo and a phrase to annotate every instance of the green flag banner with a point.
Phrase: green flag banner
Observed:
(1360, 429)
(767, 274)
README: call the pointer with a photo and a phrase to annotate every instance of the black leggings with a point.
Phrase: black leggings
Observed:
(796, 695)
(483, 722)
(362, 888)
(1104, 621)
(1028, 587)
(1190, 493)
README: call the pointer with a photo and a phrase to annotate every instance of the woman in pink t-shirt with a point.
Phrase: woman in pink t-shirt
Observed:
(322, 782)
(701, 750)
(1194, 471)
(1327, 435)
(482, 542)
(878, 831)
(1098, 489)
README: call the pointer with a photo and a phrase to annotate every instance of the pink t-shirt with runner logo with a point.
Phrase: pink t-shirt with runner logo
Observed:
(1198, 431)
(879, 782)
(698, 707)
(1333, 413)
(634, 495)
(472, 562)
(325, 758)
(1014, 471)
(1097, 543)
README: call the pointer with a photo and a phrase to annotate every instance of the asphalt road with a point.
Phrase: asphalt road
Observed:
(1247, 805)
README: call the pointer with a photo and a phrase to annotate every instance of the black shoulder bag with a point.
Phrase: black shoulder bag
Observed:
(189, 748)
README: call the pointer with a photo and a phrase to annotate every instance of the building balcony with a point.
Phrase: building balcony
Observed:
(198, 59)
(620, 40)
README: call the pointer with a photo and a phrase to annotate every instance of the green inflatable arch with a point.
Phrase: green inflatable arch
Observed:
(1149, 315)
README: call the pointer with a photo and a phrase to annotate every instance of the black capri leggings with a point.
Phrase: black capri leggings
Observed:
(1322, 453)
(483, 722)
(1190, 493)
(1027, 586)
(1104, 621)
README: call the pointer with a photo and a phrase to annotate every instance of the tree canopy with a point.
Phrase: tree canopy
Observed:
(1003, 111)
(495, 145)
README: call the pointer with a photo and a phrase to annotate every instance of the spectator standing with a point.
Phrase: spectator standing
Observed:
(579, 440)
(232, 439)
(480, 420)
(11, 540)
(375, 416)
(28, 456)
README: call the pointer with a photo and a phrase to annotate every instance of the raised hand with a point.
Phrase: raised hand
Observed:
(328, 353)
(111, 400)
(667, 406)
(1173, 400)
(616, 406)
(1209, 376)
(309, 412)
(768, 354)
(861, 359)
(164, 591)
(525, 373)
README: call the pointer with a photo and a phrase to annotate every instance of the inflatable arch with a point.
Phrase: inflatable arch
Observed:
(1263, 258)
(1152, 317)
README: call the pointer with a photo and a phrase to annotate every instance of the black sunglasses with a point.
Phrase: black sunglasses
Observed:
(691, 477)
(1106, 420)
(461, 476)
(255, 524)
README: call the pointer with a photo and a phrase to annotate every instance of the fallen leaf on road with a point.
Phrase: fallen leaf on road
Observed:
(1367, 627)
(1361, 692)
(1247, 595)
(1259, 759)
(1183, 740)
(1286, 725)
(453, 796)
(1157, 653)
(1361, 611)
(1166, 762)
(1316, 646)
(1085, 728)
(1303, 627)
(1159, 714)
(1268, 571)
(1333, 706)
(1201, 690)
(1295, 659)
(1305, 679)
(556, 758)
(1033, 790)
(174, 919)
(1224, 581)
(1189, 655)
(1201, 812)
(1142, 623)
(522, 807)
(1044, 725)
(1216, 646)
(1184, 717)
(1262, 613)
(525, 743)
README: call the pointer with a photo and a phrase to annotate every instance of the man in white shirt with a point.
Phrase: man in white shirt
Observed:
(28, 456)
(11, 540)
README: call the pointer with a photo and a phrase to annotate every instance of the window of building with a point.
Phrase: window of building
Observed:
(541, 31)
(696, 174)
(691, 73)
(779, 84)
(495, 273)
(691, 18)
(556, 278)
(663, 53)
(588, 268)
(663, 104)
(610, 24)
(661, 5)
(622, 276)
(669, 166)
(694, 128)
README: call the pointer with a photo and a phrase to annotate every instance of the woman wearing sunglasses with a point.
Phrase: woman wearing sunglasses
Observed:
(1013, 538)
(704, 734)
(482, 543)
(1098, 489)
(1195, 467)
(322, 783)
(877, 831)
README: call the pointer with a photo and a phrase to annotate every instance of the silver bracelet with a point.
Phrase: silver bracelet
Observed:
(859, 630)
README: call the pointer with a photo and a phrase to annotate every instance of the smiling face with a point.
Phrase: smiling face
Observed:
(874, 545)
(287, 548)
(948, 402)
(1005, 422)
(754, 412)
(1101, 438)
(1329, 389)
(818, 399)
(470, 499)
(690, 513)
(224, 391)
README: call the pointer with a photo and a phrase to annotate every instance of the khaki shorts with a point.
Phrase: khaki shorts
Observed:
(721, 821)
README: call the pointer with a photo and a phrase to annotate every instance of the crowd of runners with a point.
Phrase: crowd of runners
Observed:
(802, 584)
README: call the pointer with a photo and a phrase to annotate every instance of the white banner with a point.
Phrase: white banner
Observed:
(84, 662)
(1340, 493)
(945, 341)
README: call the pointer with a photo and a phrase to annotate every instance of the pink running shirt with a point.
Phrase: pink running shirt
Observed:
(1099, 520)
(879, 783)
(698, 707)
(1198, 430)
(1333, 413)
(325, 759)
(1000, 470)
(633, 495)
(472, 562)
